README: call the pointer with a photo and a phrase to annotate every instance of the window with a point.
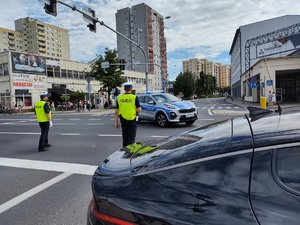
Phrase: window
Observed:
(288, 167)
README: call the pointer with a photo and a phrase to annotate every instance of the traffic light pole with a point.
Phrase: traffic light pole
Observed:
(95, 20)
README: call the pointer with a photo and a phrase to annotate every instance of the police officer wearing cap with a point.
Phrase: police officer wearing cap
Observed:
(43, 115)
(127, 107)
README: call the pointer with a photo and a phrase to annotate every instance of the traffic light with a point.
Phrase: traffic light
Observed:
(92, 26)
(122, 64)
(51, 8)
(117, 92)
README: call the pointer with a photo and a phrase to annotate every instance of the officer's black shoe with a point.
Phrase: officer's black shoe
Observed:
(48, 146)
(43, 150)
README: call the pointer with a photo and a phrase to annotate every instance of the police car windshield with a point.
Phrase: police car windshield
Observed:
(162, 98)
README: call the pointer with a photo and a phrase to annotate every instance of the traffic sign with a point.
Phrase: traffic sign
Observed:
(89, 88)
(269, 83)
(253, 85)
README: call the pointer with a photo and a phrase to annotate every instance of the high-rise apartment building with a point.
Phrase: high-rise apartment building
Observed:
(145, 27)
(33, 36)
(219, 71)
(225, 76)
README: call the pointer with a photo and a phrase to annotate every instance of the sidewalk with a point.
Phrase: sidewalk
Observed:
(257, 104)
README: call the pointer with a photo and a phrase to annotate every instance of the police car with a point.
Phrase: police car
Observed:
(164, 108)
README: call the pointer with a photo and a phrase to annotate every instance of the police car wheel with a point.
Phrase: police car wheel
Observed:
(161, 120)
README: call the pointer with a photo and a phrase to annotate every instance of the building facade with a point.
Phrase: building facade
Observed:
(145, 27)
(22, 83)
(280, 75)
(35, 37)
(219, 71)
(277, 37)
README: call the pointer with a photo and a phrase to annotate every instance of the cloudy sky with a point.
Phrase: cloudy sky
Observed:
(197, 28)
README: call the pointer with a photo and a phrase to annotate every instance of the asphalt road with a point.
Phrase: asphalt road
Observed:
(53, 187)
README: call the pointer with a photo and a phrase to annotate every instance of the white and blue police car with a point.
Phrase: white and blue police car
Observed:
(164, 108)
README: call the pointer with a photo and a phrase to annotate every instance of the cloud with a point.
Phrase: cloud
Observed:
(197, 28)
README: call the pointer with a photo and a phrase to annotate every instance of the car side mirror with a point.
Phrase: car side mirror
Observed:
(151, 102)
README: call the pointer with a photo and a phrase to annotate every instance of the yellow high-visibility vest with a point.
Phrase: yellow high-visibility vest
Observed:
(40, 112)
(127, 108)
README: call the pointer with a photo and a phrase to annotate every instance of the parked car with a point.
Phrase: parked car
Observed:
(164, 108)
(242, 171)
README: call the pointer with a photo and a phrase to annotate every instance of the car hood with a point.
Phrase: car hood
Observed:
(177, 149)
(182, 104)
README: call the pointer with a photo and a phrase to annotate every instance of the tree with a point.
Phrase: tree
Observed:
(77, 96)
(185, 83)
(206, 84)
(110, 77)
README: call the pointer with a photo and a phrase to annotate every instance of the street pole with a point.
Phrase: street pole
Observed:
(73, 7)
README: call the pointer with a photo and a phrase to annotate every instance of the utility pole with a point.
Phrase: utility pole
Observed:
(92, 20)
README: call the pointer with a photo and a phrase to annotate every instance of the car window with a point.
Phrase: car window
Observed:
(141, 99)
(165, 98)
(148, 99)
(288, 167)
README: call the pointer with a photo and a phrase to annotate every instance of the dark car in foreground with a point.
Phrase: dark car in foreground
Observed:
(242, 171)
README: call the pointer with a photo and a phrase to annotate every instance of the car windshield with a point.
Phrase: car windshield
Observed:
(162, 98)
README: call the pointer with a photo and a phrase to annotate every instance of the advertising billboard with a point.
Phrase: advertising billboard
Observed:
(282, 46)
(28, 63)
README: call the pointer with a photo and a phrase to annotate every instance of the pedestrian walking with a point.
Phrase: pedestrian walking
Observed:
(243, 98)
(127, 107)
(273, 98)
(44, 118)
(269, 98)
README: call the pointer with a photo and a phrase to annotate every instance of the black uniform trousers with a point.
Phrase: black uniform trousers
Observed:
(44, 135)
(128, 131)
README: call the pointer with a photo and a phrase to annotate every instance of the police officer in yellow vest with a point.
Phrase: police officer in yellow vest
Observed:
(44, 118)
(127, 107)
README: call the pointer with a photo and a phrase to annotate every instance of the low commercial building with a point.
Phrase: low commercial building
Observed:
(24, 76)
(280, 75)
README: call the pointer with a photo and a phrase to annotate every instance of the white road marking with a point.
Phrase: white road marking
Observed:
(94, 119)
(109, 135)
(206, 119)
(15, 201)
(67, 169)
(93, 124)
(74, 119)
(70, 134)
(19, 133)
(72, 168)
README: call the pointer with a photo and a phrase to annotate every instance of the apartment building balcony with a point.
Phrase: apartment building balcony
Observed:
(41, 27)
(42, 33)
(41, 38)
(43, 54)
(13, 48)
(42, 43)
(11, 36)
(150, 49)
(11, 42)
(150, 25)
(42, 50)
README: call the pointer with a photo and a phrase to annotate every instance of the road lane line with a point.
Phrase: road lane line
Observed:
(17, 200)
(19, 133)
(70, 134)
(74, 168)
